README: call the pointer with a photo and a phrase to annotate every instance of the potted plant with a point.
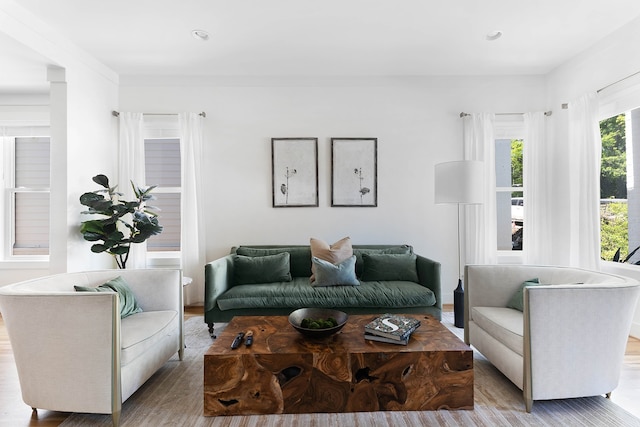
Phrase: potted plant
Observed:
(123, 223)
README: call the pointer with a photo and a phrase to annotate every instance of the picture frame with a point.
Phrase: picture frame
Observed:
(354, 172)
(294, 165)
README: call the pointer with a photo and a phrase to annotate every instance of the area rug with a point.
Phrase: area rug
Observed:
(174, 397)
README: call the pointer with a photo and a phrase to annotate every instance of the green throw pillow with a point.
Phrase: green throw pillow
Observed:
(128, 303)
(327, 274)
(261, 269)
(517, 299)
(299, 257)
(361, 250)
(389, 267)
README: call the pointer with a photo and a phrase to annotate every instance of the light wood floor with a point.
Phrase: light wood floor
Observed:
(14, 413)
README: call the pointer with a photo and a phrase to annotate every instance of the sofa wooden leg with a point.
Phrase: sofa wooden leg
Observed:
(115, 418)
(211, 334)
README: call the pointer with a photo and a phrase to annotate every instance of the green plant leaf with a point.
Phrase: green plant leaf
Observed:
(88, 199)
(98, 248)
(101, 180)
(120, 250)
(93, 237)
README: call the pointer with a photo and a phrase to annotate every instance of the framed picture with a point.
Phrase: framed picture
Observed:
(294, 164)
(354, 172)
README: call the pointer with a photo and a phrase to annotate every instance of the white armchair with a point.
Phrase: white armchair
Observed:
(73, 352)
(570, 339)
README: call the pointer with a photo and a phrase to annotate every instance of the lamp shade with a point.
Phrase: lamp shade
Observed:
(459, 182)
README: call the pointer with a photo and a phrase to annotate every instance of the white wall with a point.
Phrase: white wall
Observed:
(416, 121)
(91, 150)
(610, 60)
(85, 147)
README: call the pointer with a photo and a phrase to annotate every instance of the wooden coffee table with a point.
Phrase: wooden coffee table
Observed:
(286, 372)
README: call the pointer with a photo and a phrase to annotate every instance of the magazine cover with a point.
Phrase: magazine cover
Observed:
(392, 326)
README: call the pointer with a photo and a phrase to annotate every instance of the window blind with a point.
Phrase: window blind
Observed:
(162, 168)
(31, 196)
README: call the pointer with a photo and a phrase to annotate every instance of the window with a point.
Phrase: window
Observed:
(509, 194)
(26, 196)
(162, 168)
(619, 199)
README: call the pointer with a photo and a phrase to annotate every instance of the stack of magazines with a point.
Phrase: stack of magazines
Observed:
(391, 328)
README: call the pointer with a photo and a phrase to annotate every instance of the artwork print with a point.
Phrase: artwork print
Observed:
(294, 164)
(354, 175)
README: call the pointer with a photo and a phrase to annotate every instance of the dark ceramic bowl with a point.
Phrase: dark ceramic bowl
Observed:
(297, 316)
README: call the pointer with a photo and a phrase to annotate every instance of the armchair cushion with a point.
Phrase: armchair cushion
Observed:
(143, 332)
(504, 324)
(128, 303)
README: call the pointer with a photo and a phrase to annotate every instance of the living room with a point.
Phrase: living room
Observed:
(415, 116)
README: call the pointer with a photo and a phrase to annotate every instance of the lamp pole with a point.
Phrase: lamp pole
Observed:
(459, 183)
(458, 293)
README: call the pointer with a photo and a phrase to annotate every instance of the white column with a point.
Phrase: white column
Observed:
(58, 199)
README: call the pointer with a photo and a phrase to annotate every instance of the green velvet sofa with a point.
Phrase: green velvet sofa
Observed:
(224, 298)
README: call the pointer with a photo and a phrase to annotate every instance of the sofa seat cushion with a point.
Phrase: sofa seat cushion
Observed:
(504, 324)
(140, 332)
(299, 293)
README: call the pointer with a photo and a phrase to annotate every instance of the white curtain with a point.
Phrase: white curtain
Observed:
(481, 243)
(584, 182)
(131, 169)
(193, 230)
(537, 235)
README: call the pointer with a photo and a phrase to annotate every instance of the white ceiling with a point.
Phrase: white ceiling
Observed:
(329, 37)
(21, 69)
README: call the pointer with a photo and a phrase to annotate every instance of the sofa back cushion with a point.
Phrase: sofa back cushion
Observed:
(389, 267)
(261, 269)
(359, 250)
(299, 256)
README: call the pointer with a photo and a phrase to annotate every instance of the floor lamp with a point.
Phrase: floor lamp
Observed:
(460, 183)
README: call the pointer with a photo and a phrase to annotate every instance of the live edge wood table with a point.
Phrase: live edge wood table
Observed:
(286, 372)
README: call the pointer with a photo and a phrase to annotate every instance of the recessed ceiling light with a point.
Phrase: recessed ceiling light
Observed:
(200, 35)
(493, 35)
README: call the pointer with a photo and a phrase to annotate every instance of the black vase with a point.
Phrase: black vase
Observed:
(458, 305)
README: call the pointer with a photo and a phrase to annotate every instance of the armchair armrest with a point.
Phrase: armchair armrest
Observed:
(218, 277)
(80, 332)
(429, 276)
(595, 320)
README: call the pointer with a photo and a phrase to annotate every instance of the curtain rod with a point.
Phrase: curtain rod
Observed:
(618, 81)
(565, 106)
(546, 113)
(117, 113)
